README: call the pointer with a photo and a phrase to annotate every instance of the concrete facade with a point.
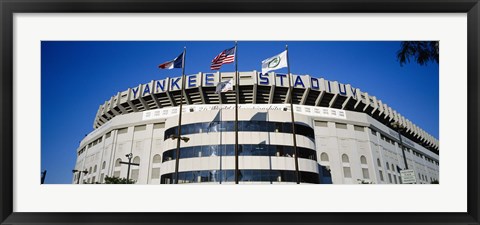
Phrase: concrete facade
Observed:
(343, 130)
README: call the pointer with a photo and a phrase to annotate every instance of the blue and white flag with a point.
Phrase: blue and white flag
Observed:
(224, 86)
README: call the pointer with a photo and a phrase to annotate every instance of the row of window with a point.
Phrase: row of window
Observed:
(258, 126)
(395, 168)
(339, 126)
(243, 150)
(93, 143)
(347, 173)
(324, 158)
(415, 153)
(387, 139)
(243, 176)
(383, 137)
(81, 151)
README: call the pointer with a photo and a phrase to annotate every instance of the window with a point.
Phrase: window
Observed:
(358, 128)
(395, 179)
(379, 164)
(140, 128)
(345, 158)
(117, 162)
(157, 158)
(90, 171)
(158, 125)
(155, 173)
(381, 175)
(116, 174)
(390, 178)
(122, 130)
(135, 174)
(104, 164)
(363, 160)
(393, 167)
(373, 132)
(324, 157)
(341, 125)
(365, 173)
(388, 166)
(346, 172)
(101, 177)
(95, 169)
(321, 123)
(136, 160)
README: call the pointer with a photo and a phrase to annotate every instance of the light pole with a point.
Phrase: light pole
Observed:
(177, 158)
(129, 156)
(79, 174)
(399, 128)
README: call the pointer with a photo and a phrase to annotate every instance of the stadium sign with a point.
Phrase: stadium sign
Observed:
(267, 79)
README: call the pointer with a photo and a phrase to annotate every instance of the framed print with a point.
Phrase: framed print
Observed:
(331, 95)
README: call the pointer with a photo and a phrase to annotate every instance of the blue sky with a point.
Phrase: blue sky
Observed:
(79, 76)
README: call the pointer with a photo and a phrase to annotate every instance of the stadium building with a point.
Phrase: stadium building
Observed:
(343, 135)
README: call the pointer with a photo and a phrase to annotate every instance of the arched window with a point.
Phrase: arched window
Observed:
(117, 162)
(345, 158)
(363, 160)
(388, 166)
(90, 170)
(379, 163)
(104, 164)
(393, 167)
(95, 169)
(136, 160)
(324, 157)
(157, 158)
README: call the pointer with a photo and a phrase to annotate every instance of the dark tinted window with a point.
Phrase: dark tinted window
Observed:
(244, 176)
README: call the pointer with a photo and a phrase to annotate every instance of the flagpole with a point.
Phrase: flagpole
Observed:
(237, 91)
(177, 160)
(297, 173)
(221, 146)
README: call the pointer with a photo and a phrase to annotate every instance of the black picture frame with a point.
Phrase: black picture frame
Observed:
(9, 7)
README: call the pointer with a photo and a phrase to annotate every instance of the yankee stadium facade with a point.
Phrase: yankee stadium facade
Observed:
(343, 135)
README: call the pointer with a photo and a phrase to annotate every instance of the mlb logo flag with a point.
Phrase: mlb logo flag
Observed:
(224, 86)
(176, 63)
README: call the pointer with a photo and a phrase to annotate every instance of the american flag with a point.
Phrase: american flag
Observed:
(226, 56)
